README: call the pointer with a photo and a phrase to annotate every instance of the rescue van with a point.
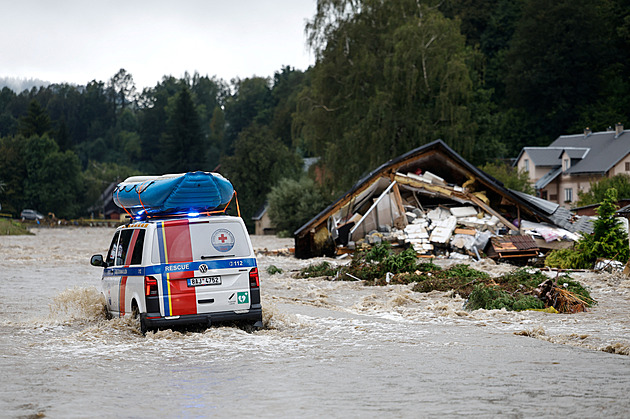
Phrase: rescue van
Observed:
(182, 271)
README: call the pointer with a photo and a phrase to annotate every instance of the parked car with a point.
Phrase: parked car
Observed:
(31, 215)
(187, 271)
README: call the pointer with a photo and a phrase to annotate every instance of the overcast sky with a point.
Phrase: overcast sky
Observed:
(77, 41)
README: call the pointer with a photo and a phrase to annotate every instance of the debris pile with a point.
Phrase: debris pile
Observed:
(561, 298)
(444, 220)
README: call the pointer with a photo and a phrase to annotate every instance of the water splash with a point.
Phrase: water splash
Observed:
(78, 305)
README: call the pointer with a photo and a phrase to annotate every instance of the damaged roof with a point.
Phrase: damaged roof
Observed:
(438, 158)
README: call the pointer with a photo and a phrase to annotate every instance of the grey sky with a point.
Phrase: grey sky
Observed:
(78, 41)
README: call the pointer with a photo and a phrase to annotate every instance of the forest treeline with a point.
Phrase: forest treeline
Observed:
(487, 76)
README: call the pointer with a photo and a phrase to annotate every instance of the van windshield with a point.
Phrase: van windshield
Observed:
(186, 241)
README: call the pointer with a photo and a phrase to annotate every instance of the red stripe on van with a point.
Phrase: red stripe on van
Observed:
(179, 250)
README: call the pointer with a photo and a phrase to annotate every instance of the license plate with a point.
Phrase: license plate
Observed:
(204, 280)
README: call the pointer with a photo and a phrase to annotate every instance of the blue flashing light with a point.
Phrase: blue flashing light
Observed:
(140, 215)
(193, 214)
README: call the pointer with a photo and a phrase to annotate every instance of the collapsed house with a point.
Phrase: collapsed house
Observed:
(438, 203)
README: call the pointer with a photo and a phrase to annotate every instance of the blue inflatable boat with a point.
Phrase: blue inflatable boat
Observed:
(186, 192)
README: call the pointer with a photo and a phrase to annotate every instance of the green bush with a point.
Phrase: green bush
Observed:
(292, 203)
(321, 269)
(494, 298)
(377, 252)
(565, 259)
(374, 264)
(273, 269)
(428, 267)
(598, 190)
(404, 261)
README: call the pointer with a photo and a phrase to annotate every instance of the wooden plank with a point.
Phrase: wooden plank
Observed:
(399, 203)
(488, 209)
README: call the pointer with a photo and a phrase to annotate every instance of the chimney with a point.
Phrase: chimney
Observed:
(618, 129)
(587, 132)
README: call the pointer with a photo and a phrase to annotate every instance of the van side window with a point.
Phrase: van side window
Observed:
(111, 255)
(123, 246)
(136, 257)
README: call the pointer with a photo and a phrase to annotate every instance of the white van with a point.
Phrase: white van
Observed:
(193, 271)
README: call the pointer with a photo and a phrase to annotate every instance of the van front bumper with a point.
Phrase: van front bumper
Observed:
(154, 321)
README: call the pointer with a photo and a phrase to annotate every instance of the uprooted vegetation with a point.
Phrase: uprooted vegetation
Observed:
(521, 289)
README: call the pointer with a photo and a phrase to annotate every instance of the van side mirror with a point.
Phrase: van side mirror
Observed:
(97, 260)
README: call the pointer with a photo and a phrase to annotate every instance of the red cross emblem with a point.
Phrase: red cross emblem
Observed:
(222, 240)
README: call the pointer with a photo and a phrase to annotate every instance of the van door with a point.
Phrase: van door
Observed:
(132, 279)
(110, 281)
(125, 250)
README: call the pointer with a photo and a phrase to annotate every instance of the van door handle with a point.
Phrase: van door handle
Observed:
(208, 301)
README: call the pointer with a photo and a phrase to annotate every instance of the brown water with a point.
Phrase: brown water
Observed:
(330, 349)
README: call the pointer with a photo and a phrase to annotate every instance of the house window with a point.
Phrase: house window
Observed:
(526, 164)
(627, 167)
(543, 194)
(566, 163)
(568, 194)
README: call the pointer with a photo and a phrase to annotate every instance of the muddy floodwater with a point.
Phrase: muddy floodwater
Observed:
(329, 348)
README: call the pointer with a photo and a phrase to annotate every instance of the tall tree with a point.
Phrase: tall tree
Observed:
(260, 160)
(36, 122)
(287, 84)
(390, 76)
(123, 90)
(53, 179)
(182, 146)
(555, 59)
(251, 103)
(12, 173)
(153, 120)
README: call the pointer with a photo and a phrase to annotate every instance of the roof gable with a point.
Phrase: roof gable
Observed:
(544, 156)
(605, 149)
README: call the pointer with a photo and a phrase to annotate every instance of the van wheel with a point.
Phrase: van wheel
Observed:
(108, 314)
(135, 312)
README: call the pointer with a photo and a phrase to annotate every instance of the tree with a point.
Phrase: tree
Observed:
(555, 58)
(216, 140)
(286, 85)
(123, 90)
(182, 146)
(609, 239)
(98, 176)
(598, 190)
(292, 203)
(509, 176)
(36, 122)
(12, 173)
(251, 102)
(259, 162)
(390, 76)
(53, 179)
(153, 120)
